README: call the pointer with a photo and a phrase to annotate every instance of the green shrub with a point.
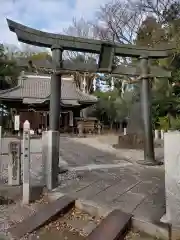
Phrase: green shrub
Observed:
(164, 123)
(175, 123)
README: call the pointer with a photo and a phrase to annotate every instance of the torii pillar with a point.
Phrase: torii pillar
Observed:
(149, 157)
(55, 88)
(53, 136)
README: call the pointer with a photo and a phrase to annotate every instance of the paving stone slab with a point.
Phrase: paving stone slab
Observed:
(156, 174)
(145, 188)
(84, 153)
(92, 190)
(153, 207)
(74, 185)
(75, 188)
(113, 192)
(126, 172)
(108, 176)
(46, 213)
(127, 202)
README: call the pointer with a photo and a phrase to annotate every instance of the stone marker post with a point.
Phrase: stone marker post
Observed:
(156, 134)
(80, 129)
(124, 131)
(44, 157)
(71, 118)
(26, 162)
(17, 124)
(14, 165)
(172, 178)
(99, 128)
(162, 134)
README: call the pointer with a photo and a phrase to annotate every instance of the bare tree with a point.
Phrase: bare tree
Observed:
(160, 9)
(83, 29)
(117, 21)
(120, 21)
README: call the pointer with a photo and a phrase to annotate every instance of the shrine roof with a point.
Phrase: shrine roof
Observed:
(34, 89)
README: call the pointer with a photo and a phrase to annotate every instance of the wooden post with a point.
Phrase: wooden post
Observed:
(26, 162)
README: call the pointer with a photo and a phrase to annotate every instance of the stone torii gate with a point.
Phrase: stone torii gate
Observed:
(107, 51)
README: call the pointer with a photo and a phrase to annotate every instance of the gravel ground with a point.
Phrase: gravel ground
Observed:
(11, 214)
(65, 227)
(134, 235)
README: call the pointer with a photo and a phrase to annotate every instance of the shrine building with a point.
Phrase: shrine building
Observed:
(31, 98)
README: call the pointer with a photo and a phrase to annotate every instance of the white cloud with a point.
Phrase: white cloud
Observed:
(47, 15)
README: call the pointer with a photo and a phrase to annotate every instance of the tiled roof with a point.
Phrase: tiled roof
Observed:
(37, 88)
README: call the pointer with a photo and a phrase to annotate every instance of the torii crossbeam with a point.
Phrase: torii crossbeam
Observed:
(43, 39)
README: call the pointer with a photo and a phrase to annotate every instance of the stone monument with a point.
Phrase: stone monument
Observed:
(14, 165)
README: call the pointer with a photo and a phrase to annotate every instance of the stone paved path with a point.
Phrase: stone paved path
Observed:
(104, 143)
(133, 189)
(74, 153)
(130, 187)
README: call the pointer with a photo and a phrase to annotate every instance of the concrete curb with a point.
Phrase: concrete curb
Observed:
(159, 230)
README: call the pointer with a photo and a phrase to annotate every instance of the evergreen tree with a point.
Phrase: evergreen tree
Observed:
(9, 71)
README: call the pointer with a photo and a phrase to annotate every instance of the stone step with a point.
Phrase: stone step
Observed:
(113, 227)
(41, 217)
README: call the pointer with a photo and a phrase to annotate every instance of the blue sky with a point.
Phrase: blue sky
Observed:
(46, 15)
